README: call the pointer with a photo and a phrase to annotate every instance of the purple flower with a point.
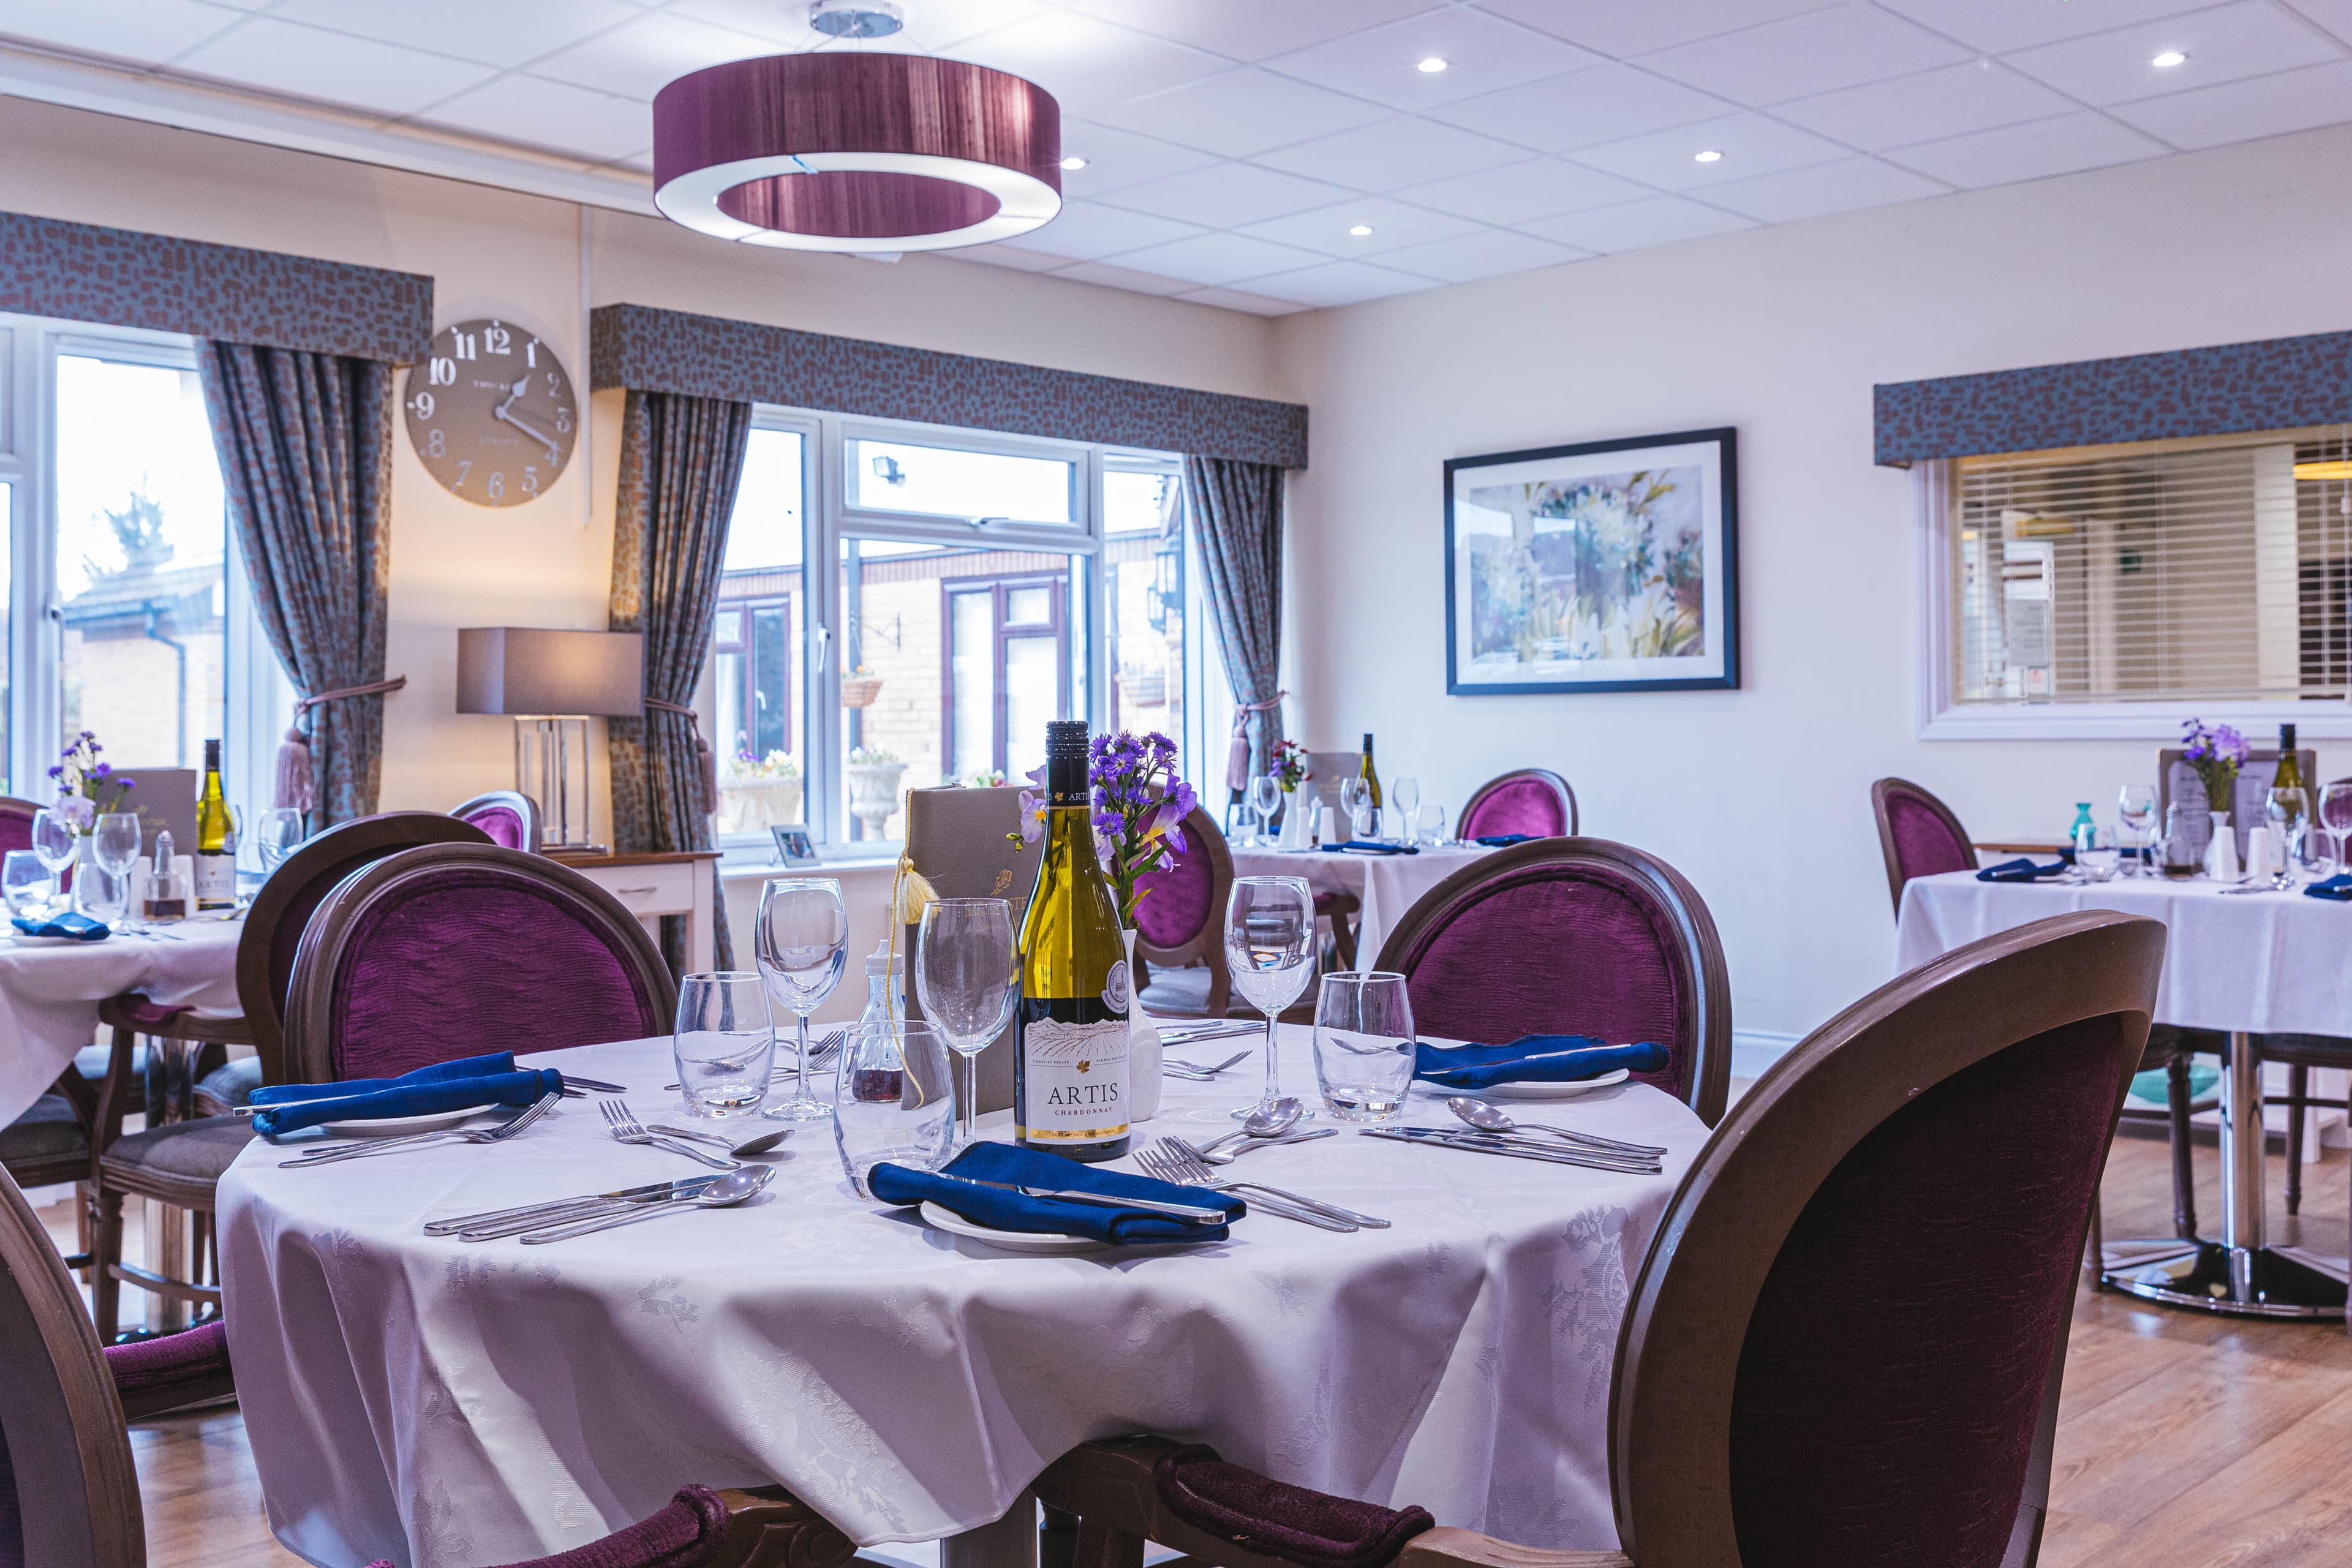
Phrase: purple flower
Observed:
(126, 784)
(78, 810)
(58, 773)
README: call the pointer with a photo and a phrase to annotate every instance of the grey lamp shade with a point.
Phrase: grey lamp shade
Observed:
(531, 671)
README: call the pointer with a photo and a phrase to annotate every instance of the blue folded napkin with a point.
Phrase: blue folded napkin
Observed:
(439, 1072)
(2020, 870)
(2338, 888)
(421, 1098)
(1502, 840)
(82, 927)
(1001, 1210)
(1532, 1058)
(1369, 847)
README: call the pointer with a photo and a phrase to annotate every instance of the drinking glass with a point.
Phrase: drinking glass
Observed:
(969, 978)
(1432, 822)
(2135, 810)
(26, 883)
(2286, 813)
(2095, 855)
(281, 835)
(1270, 952)
(892, 1099)
(1404, 794)
(1364, 1045)
(725, 1043)
(104, 895)
(1264, 797)
(2180, 846)
(54, 842)
(114, 847)
(803, 944)
(2336, 819)
(1356, 800)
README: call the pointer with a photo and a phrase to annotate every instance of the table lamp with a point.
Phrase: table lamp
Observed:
(552, 682)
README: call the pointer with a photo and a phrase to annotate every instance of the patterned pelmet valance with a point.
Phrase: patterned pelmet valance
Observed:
(2280, 384)
(652, 350)
(81, 272)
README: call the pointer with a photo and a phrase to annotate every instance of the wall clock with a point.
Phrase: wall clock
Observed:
(491, 413)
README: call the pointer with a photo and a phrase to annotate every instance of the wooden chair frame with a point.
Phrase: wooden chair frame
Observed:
(514, 800)
(1559, 786)
(1207, 945)
(1704, 978)
(1678, 1351)
(319, 961)
(1879, 792)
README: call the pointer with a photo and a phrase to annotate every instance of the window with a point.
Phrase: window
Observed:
(2114, 590)
(971, 572)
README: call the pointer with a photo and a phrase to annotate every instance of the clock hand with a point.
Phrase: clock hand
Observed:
(527, 428)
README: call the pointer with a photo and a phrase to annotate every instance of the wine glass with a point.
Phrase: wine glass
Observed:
(2286, 813)
(967, 976)
(1405, 795)
(1264, 797)
(2135, 810)
(54, 842)
(1355, 799)
(281, 835)
(2336, 819)
(1270, 952)
(803, 944)
(114, 845)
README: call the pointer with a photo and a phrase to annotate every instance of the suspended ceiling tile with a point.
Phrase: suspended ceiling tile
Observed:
(1997, 26)
(638, 58)
(1116, 158)
(1242, 112)
(1626, 27)
(1482, 53)
(506, 34)
(1489, 253)
(1603, 103)
(2035, 151)
(1242, 300)
(1636, 225)
(550, 114)
(1975, 95)
(1396, 151)
(334, 67)
(1226, 195)
(147, 31)
(1218, 259)
(1846, 185)
(1394, 225)
(1089, 66)
(2241, 111)
(1339, 283)
(1247, 30)
(1750, 144)
(1088, 231)
(1540, 187)
(1799, 57)
(2228, 43)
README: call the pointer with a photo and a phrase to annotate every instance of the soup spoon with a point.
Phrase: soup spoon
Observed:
(1489, 1119)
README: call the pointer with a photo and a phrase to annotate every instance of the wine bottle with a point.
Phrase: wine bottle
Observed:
(1371, 778)
(2290, 771)
(1069, 1074)
(215, 846)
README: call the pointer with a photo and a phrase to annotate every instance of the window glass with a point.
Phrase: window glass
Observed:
(140, 547)
(941, 481)
(1143, 553)
(756, 674)
(7, 598)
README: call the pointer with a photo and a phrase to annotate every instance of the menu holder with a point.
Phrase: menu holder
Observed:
(2177, 781)
(967, 844)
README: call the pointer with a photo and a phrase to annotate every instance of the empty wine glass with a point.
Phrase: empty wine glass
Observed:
(55, 842)
(1264, 796)
(968, 975)
(1356, 800)
(2135, 810)
(803, 944)
(1405, 795)
(2336, 819)
(114, 847)
(1270, 952)
(2286, 813)
(281, 835)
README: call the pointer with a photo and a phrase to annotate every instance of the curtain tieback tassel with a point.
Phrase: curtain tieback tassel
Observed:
(705, 761)
(1237, 775)
(297, 785)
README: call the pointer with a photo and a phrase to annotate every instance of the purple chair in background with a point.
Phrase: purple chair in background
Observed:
(1180, 927)
(509, 818)
(1917, 834)
(1846, 1341)
(69, 1493)
(1533, 801)
(454, 950)
(1573, 936)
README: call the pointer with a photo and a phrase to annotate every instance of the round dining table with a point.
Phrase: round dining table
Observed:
(448, 1405)
(1385, 885)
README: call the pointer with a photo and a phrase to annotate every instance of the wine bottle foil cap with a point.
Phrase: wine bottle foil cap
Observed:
(1066, 737)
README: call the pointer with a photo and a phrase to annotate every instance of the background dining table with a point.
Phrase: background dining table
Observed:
(1386, 885)
(2242, 962)
(446, 1404)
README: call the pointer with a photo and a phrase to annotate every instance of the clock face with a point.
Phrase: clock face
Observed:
(491, 414)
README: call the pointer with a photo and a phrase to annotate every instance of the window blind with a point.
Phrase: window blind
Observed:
(2218, 568)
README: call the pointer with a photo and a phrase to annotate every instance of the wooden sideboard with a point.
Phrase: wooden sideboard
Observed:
(654, 884)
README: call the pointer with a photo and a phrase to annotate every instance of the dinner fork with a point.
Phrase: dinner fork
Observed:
(1196, 1071)
(628, 1128)
(821, 1053)
(1178, 1163)
(499, 1134)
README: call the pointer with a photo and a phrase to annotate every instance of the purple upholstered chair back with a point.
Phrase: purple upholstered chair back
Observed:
(1573, 936)
(1917, 834)
(1177, 905)
(1533, 801)
(16, 823)
(454, 950)
(1851, 1349)
(509, 817)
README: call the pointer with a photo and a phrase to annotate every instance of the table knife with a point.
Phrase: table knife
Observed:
(1185, 1212)
(650, 1192)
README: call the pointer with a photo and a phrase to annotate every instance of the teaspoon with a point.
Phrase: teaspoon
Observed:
(731, 1188)
(1488, 1118)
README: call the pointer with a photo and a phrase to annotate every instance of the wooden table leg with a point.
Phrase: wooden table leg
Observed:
(1010, 1542)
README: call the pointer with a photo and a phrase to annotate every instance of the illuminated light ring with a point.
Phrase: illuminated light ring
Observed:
(856, 152)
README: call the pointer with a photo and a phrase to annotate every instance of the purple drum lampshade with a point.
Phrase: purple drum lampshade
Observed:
(856, 152)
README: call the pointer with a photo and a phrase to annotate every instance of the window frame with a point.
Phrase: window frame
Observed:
(1055, 627)
(1941, 718)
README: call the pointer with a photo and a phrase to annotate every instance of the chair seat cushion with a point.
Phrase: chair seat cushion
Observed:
(196, 1151)
(1177, 992)
(233, 1084)
(1271, 1517)
(198, 1353)
(49, 1131)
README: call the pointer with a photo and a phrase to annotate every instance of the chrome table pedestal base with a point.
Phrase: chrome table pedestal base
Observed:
(2244, 1281)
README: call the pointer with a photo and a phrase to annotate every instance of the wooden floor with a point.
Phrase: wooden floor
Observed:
(2186, 1440)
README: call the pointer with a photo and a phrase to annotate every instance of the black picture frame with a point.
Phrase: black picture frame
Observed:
(794, 846)
(1713, 453)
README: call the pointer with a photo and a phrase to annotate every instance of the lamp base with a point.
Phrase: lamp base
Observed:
(551, 767)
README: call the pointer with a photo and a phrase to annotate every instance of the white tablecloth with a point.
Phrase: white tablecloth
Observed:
(50, 995)
(447, 1404)
(2268, 963)
(1386, 884)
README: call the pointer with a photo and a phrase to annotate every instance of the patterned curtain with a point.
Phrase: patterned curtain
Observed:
(680, 460)
(305, 445)
(1238, 507)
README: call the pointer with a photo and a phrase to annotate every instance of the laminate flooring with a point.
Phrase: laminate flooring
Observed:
(2192, 1441)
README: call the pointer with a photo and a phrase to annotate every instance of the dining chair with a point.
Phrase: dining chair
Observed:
(69, 1491)
(1534, 801)
(179, 1161)
(1573, 936)
(1919, 835)
(510, 817)
(2301, 1053)
(456, 949)
(1180, 927)
(967, 844)
(1846, 1341)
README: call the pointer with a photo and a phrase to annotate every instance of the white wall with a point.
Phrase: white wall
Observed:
(1760, 795)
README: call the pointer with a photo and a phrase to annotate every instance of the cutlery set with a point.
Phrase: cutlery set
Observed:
(563, 1217)
(361, 1150)
(1636, 1159)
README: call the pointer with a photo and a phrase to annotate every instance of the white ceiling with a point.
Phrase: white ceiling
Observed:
(1232, 146)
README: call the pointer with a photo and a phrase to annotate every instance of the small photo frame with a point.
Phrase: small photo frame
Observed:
(793, 846)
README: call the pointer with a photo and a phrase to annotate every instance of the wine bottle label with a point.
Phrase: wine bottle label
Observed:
(1074, 1081)
(216, 881)
(1115, 987)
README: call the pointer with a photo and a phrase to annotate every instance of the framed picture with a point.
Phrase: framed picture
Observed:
(793, 846)
(1606, 567)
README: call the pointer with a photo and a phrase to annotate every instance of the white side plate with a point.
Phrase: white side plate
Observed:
(1553, 1090)
(955, 1224)
(401, 1126)
(22, 940)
